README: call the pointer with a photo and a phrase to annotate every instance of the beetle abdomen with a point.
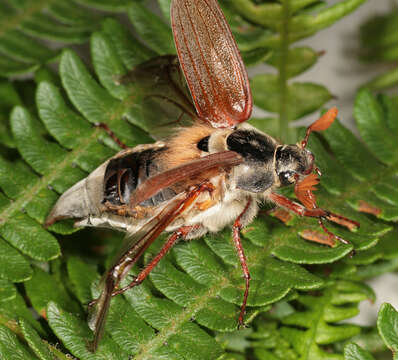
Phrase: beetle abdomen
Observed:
(124, 174)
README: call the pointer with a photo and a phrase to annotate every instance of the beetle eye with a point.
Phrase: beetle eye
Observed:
(287, 177)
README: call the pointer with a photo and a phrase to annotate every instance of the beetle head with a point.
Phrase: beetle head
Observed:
(292, 162)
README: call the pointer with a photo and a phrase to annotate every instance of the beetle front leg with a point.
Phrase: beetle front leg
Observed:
(319, 213)
(297, 208)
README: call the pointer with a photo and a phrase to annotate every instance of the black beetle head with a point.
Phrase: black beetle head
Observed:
(292, 162)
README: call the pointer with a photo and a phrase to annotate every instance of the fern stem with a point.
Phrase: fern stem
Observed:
(319, 309)
(284, 49)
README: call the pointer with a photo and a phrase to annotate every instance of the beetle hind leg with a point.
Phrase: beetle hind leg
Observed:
(181, 233)
(242, 258)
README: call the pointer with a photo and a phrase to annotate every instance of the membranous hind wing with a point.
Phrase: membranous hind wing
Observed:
(210, 60)
(162, 100)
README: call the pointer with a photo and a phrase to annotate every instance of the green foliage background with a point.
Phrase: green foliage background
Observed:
(300, 291)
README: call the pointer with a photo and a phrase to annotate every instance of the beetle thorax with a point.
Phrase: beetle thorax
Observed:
(257, 173)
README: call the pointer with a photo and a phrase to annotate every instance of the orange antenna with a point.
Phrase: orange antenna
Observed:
(321, 124)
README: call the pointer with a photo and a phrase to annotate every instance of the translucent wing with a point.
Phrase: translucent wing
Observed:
(211, 62)
(161, 98)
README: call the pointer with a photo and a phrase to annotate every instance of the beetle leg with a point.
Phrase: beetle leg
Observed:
(296, 207)
(316, 212)
(134, 249)
(181, 233)
(104, 126)
(242, 258)
(331, 235)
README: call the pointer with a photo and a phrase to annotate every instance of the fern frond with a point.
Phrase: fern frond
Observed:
(194, 294)
(315, 324)
(28, 27)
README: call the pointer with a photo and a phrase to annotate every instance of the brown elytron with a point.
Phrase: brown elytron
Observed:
(205, 177)
(211, 62)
